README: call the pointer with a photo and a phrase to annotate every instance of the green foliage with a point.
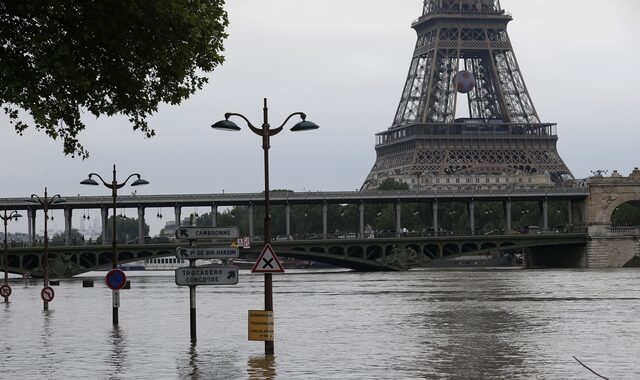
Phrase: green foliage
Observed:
(343, 219)
(627, 214)
(74, 235)
(126, 228)
(63, 58)
(392, 184)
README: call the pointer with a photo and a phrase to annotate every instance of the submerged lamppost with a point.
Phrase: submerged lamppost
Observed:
(266, 132)
(114, 186)
(46, 202)
(13, 215)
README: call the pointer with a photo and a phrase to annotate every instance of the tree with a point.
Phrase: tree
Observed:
(627, 214)
(75, 238)
(63, 58)
(126, 229)
(392, 184)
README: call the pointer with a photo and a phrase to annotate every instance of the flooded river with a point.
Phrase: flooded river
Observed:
(429, 324)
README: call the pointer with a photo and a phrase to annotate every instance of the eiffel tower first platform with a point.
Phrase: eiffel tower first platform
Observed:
(464, 56)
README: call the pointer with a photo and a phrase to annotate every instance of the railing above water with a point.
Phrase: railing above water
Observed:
(627, 231)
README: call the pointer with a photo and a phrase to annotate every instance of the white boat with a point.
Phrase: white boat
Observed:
(162, 263)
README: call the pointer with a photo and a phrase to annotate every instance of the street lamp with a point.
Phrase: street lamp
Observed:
(46, 202)
(5, 218)
(114, 186)
(266, 132)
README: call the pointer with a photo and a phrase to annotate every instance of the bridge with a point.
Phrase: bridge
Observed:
(369, 254)
(575, 196)
(591, 241)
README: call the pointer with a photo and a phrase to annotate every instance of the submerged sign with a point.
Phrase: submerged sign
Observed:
(209, 275)
(261, 325)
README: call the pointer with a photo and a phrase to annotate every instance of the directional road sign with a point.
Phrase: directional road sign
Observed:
(116, 279)
(268, 262)
(209, 233)
(207, 275)
(206, 253)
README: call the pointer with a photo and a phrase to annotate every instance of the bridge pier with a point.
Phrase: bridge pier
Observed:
(140, 224)
(471, 205)
(177, 214)
(544, 214)
(324, 220)
(214, 215)
(104, 216)
(507, 212)
(361, 221)
(398, 208)
(31, 225)
(287, 219)
(251, 234)
(68, 213)
(608, 248)
(434, 211)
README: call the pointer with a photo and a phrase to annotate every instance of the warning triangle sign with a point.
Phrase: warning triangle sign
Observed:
(268, 262)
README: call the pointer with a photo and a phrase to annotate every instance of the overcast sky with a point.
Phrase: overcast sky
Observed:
(344, 63)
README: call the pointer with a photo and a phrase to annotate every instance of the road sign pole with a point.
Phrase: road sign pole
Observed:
(114, 315)
(269, 348)
(192, 291)
(192, 304)
(192, 307)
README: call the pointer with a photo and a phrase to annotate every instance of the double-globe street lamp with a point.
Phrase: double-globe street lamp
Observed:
(114, 186)
(46, 202)
(13, 215)
(266, 132)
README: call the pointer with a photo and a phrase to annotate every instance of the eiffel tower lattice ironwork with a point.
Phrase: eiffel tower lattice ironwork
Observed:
(463, 50)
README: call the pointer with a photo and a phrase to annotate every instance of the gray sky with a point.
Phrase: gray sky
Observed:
(344, 63)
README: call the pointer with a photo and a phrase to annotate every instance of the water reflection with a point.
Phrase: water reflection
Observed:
(48, 353)
(217, 363)
(117, 359)
(474, 341)
(413, 325)
(470, 336)
(261, 367)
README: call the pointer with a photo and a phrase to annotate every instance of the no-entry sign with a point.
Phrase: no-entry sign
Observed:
(116, 279)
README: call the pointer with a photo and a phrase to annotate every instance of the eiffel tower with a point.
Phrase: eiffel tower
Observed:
(463, 53)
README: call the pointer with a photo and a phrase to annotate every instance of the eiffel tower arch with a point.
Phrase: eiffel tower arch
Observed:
(464, 57)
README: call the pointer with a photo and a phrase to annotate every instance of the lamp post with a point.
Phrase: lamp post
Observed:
(46, 202)
(114, 186)
(5, 218)
(265, 131)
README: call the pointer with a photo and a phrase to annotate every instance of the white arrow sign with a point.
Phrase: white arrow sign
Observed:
(207, 253)
(209, 275)
(209, 233)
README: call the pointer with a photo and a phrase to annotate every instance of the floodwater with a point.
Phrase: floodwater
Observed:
(428, 324)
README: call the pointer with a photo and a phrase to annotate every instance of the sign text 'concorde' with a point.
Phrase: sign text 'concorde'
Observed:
(208, 233)
(209, 275)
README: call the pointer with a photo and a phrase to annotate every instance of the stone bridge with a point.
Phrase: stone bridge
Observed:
(610, 246)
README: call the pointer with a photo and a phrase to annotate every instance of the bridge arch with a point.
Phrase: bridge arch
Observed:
(608, 193)
(626, 214)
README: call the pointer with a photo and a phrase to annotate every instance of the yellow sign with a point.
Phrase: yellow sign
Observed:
(260, 325)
